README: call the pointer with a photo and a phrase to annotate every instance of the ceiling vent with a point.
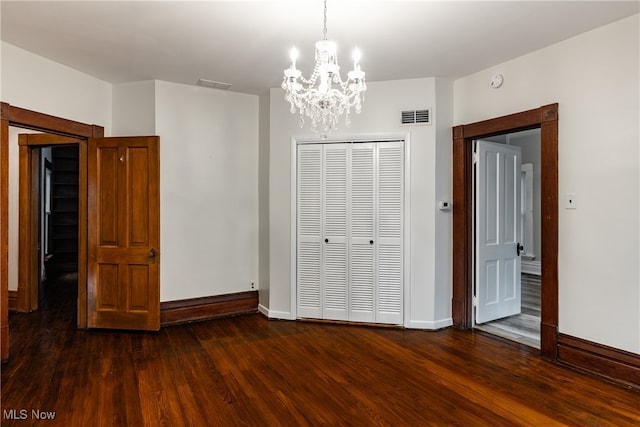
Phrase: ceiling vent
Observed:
(213, 84)
(416, 117)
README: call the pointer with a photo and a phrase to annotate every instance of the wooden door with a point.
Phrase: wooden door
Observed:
(498, 227)
(123, 289)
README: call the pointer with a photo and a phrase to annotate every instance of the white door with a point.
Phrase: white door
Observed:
(362, 223)
(309, 230)
(498, 227)
(334, 204)
(350, 231)
(390, 226)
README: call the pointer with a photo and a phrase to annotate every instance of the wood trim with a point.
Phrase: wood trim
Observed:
(29, 119)
(39, 139)
(206, 308)
(610, 363)
(545, 118)
(20, 117)
(13, 300)
(83, 239)
(34, 227)
(462, 220)
(549, 235)
(24, 229)
(4, 231)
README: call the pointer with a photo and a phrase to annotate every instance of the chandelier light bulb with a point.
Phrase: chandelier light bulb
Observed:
(293, 54)
(324, 97)
(356, 55)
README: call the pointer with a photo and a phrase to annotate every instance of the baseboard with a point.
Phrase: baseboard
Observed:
(272, 314)
(531, 267)
(206, 308)
(611, 363)
(13, 300)
(430, 325)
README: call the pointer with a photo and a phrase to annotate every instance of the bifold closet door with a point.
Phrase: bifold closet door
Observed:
(390, 230)
(349, 231)
(362, 290)
(310, 242)
(322, 231)
(334, 217)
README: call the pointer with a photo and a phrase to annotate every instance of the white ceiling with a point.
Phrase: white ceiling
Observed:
(246, 43)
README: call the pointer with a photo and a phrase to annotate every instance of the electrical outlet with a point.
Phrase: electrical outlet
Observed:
(252, 286)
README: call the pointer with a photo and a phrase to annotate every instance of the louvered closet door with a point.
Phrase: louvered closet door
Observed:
(363, 234)
(350, 231)
(336, 256)
(310, 241)
(390, 225)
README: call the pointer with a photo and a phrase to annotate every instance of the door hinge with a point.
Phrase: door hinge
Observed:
(475, 158)
(475, 301)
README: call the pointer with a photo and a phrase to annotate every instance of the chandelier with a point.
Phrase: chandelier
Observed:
(324, 97)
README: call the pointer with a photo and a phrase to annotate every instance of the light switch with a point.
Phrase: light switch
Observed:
(570, 201)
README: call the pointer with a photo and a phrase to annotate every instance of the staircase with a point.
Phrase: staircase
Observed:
(64, 210)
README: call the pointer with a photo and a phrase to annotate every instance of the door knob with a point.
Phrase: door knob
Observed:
(152, 255)
(519, 248)
(371, 242)
(326, 240)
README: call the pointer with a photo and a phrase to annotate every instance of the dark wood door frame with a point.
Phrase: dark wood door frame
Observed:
(30, 146)
(20, 117)
(545, 118)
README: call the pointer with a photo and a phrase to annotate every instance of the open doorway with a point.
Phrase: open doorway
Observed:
(26, 119)
(59, 178)
(546, 119)
(49, 219)
(510, 305)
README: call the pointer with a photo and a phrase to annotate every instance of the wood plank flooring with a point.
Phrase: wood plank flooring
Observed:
(251, 371)
(524, 327)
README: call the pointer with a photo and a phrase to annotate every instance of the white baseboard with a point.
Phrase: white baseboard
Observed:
(532, 267)
(271, 314)
(431, 325)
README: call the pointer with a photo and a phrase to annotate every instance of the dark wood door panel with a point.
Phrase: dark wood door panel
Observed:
(124, 235)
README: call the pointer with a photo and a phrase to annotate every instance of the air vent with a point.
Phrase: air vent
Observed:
(213, 84)
(413, 117)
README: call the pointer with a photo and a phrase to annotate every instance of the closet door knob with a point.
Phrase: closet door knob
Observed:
(371, 242)
(326, 240)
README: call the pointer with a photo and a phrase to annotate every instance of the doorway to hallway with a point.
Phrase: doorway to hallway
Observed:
(506, 200)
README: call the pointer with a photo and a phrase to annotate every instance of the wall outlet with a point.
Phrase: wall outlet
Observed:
(252, 286)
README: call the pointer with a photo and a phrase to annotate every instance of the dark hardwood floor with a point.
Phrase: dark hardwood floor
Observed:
(251, 371)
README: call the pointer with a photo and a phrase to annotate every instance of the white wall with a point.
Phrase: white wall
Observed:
(380, 114)
(36, 83)
(443, 243)
(134, 109)
(209, 190)
(263, 198)
(529, 142)
(595, 79)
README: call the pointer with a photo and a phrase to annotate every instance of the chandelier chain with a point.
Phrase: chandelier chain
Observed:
(324, 29)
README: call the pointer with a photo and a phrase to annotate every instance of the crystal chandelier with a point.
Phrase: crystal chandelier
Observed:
(324, 97)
